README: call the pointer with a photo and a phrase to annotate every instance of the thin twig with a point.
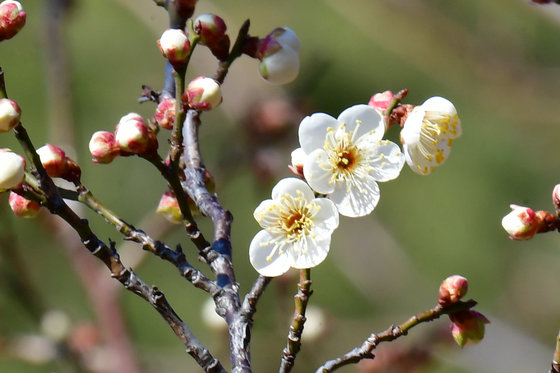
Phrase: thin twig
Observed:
(296, 329)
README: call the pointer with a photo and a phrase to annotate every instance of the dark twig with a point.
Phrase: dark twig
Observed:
(392, 333)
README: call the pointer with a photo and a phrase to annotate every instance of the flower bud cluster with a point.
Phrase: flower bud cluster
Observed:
(10, 114)
(212, 31)
(467, 326)
(57, 164)
(131, 137)
(12, 19)
(279, 56)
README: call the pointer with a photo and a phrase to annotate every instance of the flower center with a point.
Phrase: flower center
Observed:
(296, 223)
(346, 160)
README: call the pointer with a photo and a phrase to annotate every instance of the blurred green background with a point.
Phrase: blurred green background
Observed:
(498, 61)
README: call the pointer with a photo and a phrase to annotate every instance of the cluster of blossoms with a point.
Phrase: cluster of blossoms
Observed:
(342, 160)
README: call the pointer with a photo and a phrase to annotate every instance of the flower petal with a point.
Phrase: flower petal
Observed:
(292, 186)
(316, 250)
(266, 258)
(369, 119)
(357, 199)
(318, 172)
(385, 159)
(326, 220)
(313, 129)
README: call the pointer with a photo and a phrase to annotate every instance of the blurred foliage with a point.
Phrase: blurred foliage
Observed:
(498, 61)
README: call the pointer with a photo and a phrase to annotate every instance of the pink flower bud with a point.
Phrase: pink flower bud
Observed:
(203, 93)
(12, 19)
(57, 164)
(298, 159)
(175, 46)
(381, 101)
(169, 208)
(452, 289)
(134, 137)
(12, 169)
(467, 327)
(279, 55)
(212, 31)
(522, 223)
(10, 113)
(103, 147)
(22, 207)
(165, 113)
(556, 197)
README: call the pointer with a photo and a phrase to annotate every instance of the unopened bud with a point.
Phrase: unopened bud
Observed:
(467, 327)
(556, 197)
(57, 164)
(133, 136)
(279, 55)
(452, 289)
(12, 19)
(185, 8)
(298, 159)
(165, 113)
(103, 147)
(22, 207)
(175, 46)
(12, 169)
(203, 93)
(381, 101)
(522, 223)
(212, 31)
(168, 207)
(10, 114)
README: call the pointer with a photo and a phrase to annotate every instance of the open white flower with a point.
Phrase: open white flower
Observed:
(346, 157)
(297, 229)
(428, 134)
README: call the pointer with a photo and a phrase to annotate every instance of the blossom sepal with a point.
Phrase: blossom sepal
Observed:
(296, 232)
(12, 19)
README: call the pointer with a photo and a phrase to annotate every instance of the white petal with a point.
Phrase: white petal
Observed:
(416, 161)
(386, 160)
(410, 134)
(370, 121)
(313, 130)
(292, 186)
(326, 220)
(441, 104)
(316, 250)
(263, 211)
(318, 172)
(260, 250)
(356, 200)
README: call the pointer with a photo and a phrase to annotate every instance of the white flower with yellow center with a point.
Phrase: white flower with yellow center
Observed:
(297, 229)
(428, 134)
(346, 157)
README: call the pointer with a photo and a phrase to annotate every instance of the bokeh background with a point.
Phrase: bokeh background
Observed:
(498, 61)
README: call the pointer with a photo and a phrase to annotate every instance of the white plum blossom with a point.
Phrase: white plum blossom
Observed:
(346, 157)
(296, 232)
(428, 134)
